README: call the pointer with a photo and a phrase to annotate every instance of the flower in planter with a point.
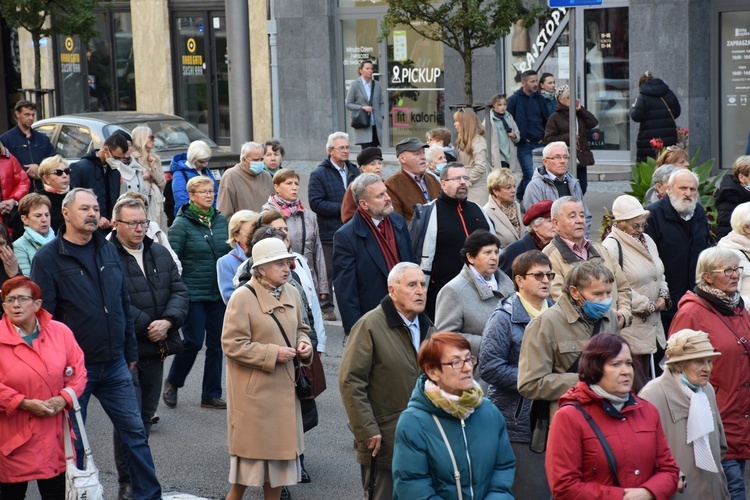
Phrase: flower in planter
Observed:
(657, 144)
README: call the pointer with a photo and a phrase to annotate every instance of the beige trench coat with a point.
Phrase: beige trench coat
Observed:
(478, 168)
(263, 412)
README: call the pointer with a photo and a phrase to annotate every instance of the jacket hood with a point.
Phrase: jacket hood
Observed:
(735, 241)
(92, 156)
(521, 93)
(690, 298)
(8, 334)
(654, 87)
(541, 173)
(179, 162)
(580, 393)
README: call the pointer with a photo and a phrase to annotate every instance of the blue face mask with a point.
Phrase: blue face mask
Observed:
(688, 383)
(596, 310)
(256, 167)
(439, 167)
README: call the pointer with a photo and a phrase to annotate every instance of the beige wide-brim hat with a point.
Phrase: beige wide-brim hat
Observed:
(269, 250)
(689, 344)
(627, 207)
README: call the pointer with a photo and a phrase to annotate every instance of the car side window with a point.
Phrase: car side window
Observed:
(74, 141)
(47, 130)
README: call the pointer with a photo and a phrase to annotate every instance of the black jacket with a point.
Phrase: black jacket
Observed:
(95, 308)
(558, 129)
(159, 294)
(88, 172)
(654, 116)
(512, 251)
(731, 193)
(326, 192)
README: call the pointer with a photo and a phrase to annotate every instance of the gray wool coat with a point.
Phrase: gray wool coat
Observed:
(356, 98)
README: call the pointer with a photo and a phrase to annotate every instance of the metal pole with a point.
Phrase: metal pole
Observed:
(240, 90)
(573, 125)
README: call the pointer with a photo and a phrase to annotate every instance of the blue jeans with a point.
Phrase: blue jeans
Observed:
(112, 384)
(204, 321)
(735, 472)
(526, 159)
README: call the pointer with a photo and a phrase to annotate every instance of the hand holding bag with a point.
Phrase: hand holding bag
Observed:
(360, 117)
(79, 484)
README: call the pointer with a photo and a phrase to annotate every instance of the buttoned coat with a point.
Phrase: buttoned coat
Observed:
(264, 420)
(356, 97)
(326, 192)
(478, 168)
(504, 230)
(673, 404)
(405, 192)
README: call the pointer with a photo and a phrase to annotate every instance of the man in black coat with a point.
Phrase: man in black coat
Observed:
(679, 226)
(159, 302)
(365, 250)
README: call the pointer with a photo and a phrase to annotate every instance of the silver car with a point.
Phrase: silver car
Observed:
(76, 135)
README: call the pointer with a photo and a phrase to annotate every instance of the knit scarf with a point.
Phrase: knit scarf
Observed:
(616, 401)
(700, 423)
(288, 208)
(509, 209)
(460, 407)
(37, 239)
(205, 217)
(385, 237)
(50, 189)
(532, 311)
(730, 301)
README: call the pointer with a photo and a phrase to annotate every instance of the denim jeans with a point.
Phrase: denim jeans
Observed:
(204, 320)
(112, 384)
(147, 376)
(526, 160)
(735, 472)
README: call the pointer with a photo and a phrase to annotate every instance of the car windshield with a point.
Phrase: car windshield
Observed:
(168, 134)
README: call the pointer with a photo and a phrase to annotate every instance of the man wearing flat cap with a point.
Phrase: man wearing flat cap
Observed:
(411, 185)
(538, 223)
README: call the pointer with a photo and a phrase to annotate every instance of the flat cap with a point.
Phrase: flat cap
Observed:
(410, 144)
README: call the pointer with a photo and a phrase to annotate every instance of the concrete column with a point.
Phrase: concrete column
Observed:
(240, 93)
(152, 56)
(260, 76)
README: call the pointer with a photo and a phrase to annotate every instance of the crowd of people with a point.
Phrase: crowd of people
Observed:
(613, 369)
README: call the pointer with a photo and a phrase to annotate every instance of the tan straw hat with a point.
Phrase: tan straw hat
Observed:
(689, 344)
(269, 250)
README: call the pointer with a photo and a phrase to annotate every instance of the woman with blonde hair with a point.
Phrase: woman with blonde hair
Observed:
(472, 152)
(55, 175)
(733, 190)
(673, 155)
(502, 208)
(241, 227)
(153, 173)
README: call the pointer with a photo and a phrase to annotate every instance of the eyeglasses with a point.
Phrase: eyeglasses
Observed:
(119, 158)
(460, 178)
(204, 192)
(640, 227)
(342, 148)
(559, 157)
(458, 364)
(728, 272)
(60, 172)
(22, 299)
(133, 224)
(539, 275)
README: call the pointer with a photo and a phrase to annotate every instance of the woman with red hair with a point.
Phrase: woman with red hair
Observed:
(39, 357)
(451, 442)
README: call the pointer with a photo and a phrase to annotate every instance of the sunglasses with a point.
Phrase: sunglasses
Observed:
(61, 171)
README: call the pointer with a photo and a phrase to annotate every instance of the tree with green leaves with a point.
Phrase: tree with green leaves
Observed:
(463, 25)
(66, 17)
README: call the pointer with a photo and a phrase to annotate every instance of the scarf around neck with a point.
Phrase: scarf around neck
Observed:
(50, 189)
(460, 407)
(384, 236)
(287, 208)
(700, 423)
(616, 401)
(205, 217)
(718, 298)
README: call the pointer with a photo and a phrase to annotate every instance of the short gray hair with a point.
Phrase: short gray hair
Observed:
(557, 205)
(661, 174)
(680, 171)
(433, 150)
(548, 148)
(247, 147)
(237, 220)
(127, 203)
(70, 198)
(334, 136)
(398, 271)
(712, 257)
(359, 185)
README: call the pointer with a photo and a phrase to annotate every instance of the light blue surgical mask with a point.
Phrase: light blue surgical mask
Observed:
(688, 383)
(256, 167)
(596, 310)
(439, 167)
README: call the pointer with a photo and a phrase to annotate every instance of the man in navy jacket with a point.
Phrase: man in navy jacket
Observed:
(27, 145)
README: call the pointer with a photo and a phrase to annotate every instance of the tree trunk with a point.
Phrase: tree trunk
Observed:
(37, 60)
(467, 56)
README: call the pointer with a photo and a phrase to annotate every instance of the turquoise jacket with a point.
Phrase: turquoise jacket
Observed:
(422, 467)
(26, 246)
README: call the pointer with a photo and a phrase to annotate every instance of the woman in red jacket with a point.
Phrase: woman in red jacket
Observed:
(715, 306)
(38, 358)
(640, 465)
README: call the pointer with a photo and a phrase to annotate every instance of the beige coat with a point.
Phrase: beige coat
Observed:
(478, 167)
(263, 411)
(551, 344)
(741, 246)
(645, 273)
(561, 265)
(673, 404)
(503, 228)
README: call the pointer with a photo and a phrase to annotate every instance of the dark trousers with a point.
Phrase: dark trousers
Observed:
(147, 376)
(327, 305)
(49, 489)
(204, 321)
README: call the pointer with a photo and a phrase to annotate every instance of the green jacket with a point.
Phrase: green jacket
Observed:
(198, 248)
(377, 375)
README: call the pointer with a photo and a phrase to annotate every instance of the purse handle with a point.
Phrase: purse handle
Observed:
(670, 111)
(68, 439)
(456, 473)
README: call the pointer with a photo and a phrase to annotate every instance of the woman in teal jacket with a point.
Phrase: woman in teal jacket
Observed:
(448, 405)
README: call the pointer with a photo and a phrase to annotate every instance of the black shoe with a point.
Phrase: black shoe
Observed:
(215, 403)
(305, 476)
(285, 495)
(125, 492)
(169, 395)
(155, 419)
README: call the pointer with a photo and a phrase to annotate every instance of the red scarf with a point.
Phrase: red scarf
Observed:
(288, 208)
(384, 236)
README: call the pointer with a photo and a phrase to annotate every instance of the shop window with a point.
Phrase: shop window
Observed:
(734, 82)
(360, 39)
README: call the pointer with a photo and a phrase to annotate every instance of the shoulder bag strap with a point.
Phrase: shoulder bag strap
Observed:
(278, 323)
(81, 428)
(740, 338)
(456, 474)
(619, 247)
(670, 111)
(605, 444)
(304, 233)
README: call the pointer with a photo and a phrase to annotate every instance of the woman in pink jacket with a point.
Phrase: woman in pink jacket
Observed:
(38, 358)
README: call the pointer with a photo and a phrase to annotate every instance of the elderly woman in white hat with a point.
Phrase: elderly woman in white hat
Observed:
(638, 256)
(689, 415)
(264, 340)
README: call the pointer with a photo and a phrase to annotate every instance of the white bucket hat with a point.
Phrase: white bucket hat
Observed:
(627, 207)
(269, 250)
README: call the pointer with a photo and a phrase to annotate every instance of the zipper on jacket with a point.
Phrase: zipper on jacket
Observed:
(468, 458)
(461, 216)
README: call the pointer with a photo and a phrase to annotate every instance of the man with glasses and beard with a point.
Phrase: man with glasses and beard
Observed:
(679, 226)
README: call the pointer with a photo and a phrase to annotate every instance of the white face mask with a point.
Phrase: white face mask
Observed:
(114, 164)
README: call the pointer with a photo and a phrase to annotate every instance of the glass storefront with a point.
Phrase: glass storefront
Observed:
(734, 84)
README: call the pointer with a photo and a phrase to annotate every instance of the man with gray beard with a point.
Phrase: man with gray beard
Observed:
(679, 226)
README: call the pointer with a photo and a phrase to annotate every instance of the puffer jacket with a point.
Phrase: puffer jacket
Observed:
(88, 172)
(558, 129)
(326, 193)
(13, 180)
(198, 248)
(576, 464)
(653, 114)
(422, 467)
(730, 194)
(181, 174)
(498, 364)
(157, 294)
